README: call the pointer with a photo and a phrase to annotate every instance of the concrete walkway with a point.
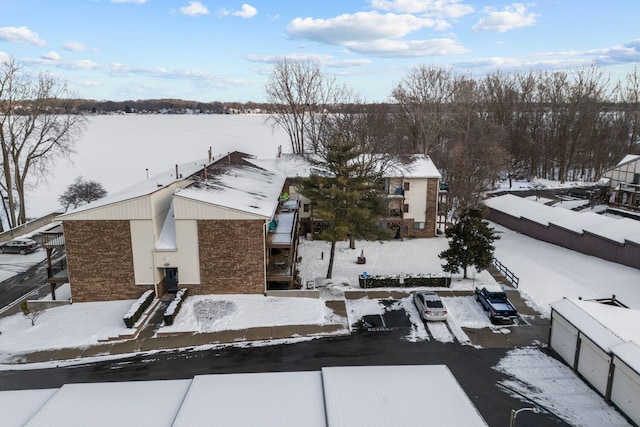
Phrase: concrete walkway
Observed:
(148, 338)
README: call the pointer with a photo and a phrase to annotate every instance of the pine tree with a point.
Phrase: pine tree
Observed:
(470, 243)
(342, 189)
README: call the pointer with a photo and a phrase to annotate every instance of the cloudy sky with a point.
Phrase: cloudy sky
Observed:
(223, 49)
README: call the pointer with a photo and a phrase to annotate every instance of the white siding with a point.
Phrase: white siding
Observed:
(623, 173)
(593, 364)
(416, 197)
(142, 244)
(625, 390)
(139, 208)
(563, 339)
(186, 257)
(190, 209)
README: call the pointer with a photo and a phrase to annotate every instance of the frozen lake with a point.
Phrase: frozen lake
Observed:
(117, 150)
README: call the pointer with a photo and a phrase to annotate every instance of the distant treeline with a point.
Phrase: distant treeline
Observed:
(167, 106)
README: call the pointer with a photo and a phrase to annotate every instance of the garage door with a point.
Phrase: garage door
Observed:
(625, 391)
(593, 365)
(563, 338)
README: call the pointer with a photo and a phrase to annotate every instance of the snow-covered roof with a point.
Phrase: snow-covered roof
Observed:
(604, 324)
(336, 396)
(514, 205)
(240, 187)
(396, 396)
(629, 353)
(121, 403)
(579, 223)
(292, 166)
(257, 399)
(289, 165)
(628, 159)
(167, 239)
(144, 188)
(617, 230)
(421, 166)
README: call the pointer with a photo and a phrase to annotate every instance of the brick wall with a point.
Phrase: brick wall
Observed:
(433, 187)
(231, 257)
(100, 261)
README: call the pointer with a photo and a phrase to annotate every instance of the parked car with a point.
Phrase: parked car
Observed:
(494, 300)
(19, 246)
(430, 305)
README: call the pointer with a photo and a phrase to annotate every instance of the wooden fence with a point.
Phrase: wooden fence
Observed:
(512, 278)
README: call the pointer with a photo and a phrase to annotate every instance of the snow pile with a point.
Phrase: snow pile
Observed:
(555, 387)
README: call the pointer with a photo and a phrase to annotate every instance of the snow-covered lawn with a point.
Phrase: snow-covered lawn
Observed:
(232, 312)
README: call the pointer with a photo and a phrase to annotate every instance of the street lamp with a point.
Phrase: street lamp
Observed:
(515, 413)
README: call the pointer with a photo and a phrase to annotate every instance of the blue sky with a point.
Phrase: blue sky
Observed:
(223, 50)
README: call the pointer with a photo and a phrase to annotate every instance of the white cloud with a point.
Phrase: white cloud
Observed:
(443, 8)
(51, 56)
(20, 34)
(74, 46)
(246, 11)
(373, 33)
(510, 17)
(407, 48)
(360, 26)
(194, 8)
(294, 57)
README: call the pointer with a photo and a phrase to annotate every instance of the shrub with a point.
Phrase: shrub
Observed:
(409, 281)
(138, 308)
(174, 306)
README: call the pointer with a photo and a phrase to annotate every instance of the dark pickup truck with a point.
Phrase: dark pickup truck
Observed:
(494, 300)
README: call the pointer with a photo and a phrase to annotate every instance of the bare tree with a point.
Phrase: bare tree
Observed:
(81, 192)
(425, 97)
(302, 95)
(37, 125)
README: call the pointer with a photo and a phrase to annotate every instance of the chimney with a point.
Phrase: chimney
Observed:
(229, 157)
(205, 172)
(279, 151)
(177, 172)
(209, 154)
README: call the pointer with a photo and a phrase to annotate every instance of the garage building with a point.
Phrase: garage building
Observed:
(600, 342)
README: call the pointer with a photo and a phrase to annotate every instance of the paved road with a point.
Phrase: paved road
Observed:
(472, 367)
(31, 284)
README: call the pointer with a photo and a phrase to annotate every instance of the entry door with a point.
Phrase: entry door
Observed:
(171, 279)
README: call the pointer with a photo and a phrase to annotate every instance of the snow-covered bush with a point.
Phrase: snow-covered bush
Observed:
(405, 281)
(174, 306)
(138, 308)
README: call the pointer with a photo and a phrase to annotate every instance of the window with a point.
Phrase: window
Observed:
(405, 207)
(419, 225)
(305, 207)
(406, 186)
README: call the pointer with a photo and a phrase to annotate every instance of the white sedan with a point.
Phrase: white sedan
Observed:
(430, 305)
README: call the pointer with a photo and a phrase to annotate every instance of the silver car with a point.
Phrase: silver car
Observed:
(430, 305)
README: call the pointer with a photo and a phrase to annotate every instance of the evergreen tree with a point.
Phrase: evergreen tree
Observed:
(470, 243)
(343, 186)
